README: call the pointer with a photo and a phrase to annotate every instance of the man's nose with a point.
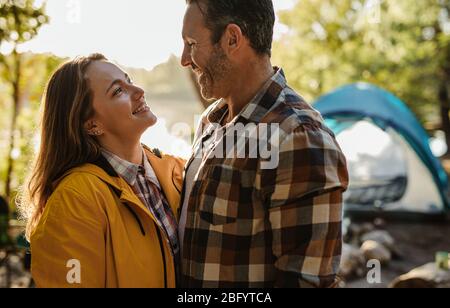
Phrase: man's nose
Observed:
(186, 59)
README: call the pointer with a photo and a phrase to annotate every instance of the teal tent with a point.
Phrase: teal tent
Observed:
(391, 165)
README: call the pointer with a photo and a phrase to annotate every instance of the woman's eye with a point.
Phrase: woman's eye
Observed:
(117, 91)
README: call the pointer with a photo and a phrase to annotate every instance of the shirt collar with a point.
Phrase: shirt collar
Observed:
(265, 100)
(125, 169)
(149, 172)
(129, 171)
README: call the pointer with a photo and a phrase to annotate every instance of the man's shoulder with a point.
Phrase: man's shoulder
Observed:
(292, 111)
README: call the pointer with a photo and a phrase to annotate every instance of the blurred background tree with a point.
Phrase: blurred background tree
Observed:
(20, 21)
(402, 46)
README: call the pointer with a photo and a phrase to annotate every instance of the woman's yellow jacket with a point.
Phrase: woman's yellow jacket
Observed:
(95, 232)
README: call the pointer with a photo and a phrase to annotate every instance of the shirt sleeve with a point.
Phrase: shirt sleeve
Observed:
(304, 195)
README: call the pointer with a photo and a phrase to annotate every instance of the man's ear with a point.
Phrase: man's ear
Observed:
(232, 39)
(93, 128)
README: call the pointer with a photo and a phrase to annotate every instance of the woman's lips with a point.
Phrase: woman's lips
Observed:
(141, 109)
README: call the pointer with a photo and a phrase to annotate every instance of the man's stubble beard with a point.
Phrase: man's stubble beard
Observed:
(217, 70)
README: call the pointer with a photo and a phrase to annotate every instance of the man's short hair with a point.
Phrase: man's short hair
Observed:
(256, 18)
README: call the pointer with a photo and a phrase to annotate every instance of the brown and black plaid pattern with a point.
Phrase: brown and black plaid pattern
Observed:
(253, 227)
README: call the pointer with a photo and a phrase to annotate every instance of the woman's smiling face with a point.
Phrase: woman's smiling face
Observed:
(121, 110)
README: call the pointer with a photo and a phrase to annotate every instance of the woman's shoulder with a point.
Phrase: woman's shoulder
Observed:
(79, 194)
(74, 206)
(83, 182)
(84, 175)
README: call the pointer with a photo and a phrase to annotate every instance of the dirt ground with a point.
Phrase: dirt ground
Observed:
(416, 244)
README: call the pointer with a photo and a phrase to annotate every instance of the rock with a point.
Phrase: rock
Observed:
(379, 223)
(374, 250)
(367, 227)
(426, 276)
(361, 229)
(352, 262)
(380, 236)
(355, 231)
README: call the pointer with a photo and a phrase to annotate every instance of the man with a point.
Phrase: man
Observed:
(245, 222)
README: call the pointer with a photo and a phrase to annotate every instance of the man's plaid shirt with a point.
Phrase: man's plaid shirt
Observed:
(248, 226)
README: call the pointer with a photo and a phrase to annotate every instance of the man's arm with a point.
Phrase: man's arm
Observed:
(305, 198)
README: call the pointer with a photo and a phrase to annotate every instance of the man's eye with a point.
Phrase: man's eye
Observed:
(191, 45)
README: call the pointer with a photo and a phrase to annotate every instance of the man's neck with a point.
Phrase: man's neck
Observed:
(246, 84)
(129, 151)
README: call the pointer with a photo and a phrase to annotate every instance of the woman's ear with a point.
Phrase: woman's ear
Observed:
(93, 128)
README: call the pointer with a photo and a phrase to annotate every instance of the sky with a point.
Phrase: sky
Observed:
(135, 33)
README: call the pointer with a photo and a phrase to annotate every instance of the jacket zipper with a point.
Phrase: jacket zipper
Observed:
(141, 227)
(161, 244)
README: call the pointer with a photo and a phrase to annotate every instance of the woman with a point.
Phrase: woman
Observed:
(100, 206)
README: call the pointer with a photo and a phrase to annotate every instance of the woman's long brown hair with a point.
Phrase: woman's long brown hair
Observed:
(65, 143)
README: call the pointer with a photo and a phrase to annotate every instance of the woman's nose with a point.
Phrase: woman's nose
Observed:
(138, 92)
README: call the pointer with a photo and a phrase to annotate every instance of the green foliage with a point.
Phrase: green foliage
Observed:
(20, 21)
(400, 45)
(35, 74)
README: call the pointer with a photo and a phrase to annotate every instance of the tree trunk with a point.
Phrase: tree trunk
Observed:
(16, 108)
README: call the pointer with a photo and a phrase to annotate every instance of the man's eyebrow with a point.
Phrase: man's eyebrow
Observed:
(186, 35)
(116, 81)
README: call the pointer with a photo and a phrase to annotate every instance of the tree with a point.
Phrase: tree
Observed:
(401, 45)
(20, 21)
(443, 72)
